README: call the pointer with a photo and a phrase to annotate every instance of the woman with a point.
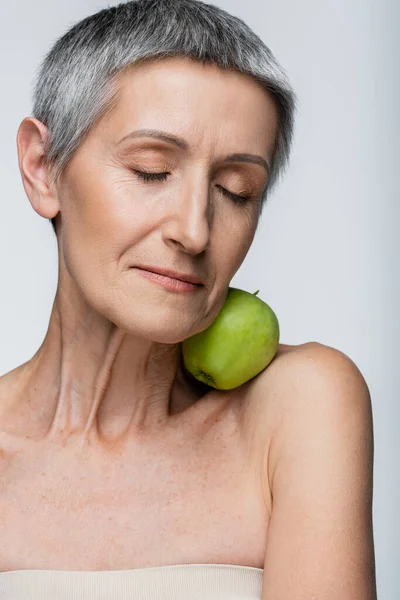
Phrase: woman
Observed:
(158, 129)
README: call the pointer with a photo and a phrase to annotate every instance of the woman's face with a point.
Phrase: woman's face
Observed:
(189, 219)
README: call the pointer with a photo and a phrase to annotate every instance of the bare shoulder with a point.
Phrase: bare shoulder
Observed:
(311, 373)
(317, 475)
(311, 383)
(302, 375)
(10, 385)
(261, 401)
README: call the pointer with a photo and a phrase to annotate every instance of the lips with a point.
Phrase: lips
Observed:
(188, 277)
(169, 283)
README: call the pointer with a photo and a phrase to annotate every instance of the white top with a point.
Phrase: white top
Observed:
(171, 582)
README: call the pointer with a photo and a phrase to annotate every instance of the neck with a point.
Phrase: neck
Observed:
(92, 380)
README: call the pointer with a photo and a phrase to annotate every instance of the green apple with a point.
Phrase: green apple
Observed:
(240, 342)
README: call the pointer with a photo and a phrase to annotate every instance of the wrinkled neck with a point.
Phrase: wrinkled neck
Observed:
(91, 379)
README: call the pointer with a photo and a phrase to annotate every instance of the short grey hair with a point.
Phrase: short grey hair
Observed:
(77, 81)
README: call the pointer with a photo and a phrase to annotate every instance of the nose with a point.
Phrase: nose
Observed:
(189, 220)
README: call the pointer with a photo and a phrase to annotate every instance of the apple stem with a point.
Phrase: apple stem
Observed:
(255, 293)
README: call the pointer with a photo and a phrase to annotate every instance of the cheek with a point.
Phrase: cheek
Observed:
(234, 243)
(96, 215)
(92, 239)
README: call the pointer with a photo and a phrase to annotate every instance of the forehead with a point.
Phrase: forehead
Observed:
(202, 103)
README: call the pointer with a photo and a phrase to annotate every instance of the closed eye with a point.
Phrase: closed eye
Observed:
(163, 176)
(151, 176)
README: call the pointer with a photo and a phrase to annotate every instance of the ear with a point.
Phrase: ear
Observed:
(31, 138)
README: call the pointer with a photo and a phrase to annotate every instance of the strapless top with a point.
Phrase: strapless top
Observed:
(171, 582)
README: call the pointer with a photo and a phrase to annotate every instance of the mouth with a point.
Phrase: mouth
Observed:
(172, 284)
(188, 277)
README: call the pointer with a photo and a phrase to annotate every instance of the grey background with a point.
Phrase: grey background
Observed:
(326, 254)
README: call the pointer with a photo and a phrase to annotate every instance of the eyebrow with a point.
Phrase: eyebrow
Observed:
(183, 145)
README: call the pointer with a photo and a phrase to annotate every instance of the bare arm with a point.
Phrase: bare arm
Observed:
(320, 468)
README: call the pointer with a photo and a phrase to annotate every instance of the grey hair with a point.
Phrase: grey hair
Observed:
(77, 81)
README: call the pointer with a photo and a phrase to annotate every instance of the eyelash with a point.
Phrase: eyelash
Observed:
(162, 176)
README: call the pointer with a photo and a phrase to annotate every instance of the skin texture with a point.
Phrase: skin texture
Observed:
(108, 371)
(320, 475)
(109, 366)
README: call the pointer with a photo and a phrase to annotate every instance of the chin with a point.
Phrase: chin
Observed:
(161, 335)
